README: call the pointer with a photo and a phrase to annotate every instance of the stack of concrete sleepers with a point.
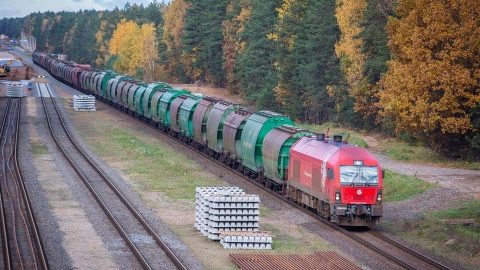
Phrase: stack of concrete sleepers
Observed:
(229, 211)
(14, 90)
(83, 103)
(202, 205)
(245, 240)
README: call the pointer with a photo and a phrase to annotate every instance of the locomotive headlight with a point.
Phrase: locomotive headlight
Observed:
(337, 196)
(379, 197)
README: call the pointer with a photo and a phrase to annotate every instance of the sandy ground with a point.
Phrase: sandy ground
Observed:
(213, 92)
(83, 245)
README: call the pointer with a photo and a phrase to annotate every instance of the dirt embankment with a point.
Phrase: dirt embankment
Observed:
(212, 91)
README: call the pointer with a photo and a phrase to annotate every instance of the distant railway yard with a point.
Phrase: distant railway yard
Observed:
(114, 187)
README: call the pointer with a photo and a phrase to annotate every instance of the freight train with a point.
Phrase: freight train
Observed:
(337, 180)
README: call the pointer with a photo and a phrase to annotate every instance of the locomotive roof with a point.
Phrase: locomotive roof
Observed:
(333, 152)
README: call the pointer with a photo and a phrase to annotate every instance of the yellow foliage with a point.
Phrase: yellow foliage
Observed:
(135, 47)
(349, 14)
(432, 83)
(232, 44)
(174, 22)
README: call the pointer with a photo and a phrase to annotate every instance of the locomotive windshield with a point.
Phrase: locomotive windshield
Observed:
(359, 175)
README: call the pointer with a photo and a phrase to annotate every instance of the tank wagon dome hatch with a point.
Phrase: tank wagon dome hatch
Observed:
(276, 150)
(200, 117)
(232, 131)
(187, 111)
(256, 128)
(165, 104)
(215, 124)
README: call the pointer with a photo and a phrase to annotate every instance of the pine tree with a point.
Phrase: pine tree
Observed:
(255, 68)
(289, 25)
(377, 53)
(203, 40)
(317, 71)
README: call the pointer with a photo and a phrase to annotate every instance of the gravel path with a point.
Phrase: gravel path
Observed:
(460, 180)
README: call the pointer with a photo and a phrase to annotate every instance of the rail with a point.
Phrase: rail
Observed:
(365, 243)
(168, 252)
(24, 238)
(347, 233)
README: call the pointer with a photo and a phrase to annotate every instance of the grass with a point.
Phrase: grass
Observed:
(334, 129)
(394, 148)
(153, 167)
(38, 148)
(399, 187)
(455, 241)
(399, 150)
(289, 243)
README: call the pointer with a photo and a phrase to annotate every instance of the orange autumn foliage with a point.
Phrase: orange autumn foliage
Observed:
(433, 81)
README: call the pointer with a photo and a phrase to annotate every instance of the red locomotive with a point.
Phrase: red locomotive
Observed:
(340, 181)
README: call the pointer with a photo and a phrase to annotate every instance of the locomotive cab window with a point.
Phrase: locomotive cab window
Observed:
(359, 175)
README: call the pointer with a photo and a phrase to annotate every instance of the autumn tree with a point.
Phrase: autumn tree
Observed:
(431, 89)
(174, 23)
(135, 48)
(148, 50)
(349, 15)
(238, 12)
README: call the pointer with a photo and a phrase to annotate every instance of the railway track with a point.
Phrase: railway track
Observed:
(21, 243)
(421, 261)
(392, 250)
(127, 221)
(399, 254)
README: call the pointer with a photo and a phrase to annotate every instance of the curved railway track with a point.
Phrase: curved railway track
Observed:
(21, 243)
(128, 221)
(396, 252)
(418, 260)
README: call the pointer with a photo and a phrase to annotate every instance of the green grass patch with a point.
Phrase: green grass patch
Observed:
(457, 242)
(355, 137)
(404, 151)
(153, 166)
(399, 187)
(38, 148)
(265, 211)
(288, 243)
(464, 210)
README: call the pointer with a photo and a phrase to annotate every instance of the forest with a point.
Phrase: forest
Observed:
(406, 68)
